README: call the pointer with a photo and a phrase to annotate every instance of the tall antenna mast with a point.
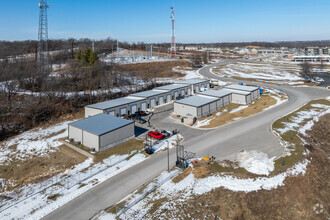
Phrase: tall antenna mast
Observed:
(173, 47)
(42, 63)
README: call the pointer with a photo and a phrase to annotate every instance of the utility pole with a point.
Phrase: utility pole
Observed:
(173, 46)
(168, 156)
(72, 54)
(93, 46)
(42, 62)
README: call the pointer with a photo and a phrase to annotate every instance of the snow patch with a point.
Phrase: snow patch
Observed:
(256, 162)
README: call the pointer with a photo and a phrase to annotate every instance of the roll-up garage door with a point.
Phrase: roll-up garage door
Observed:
(160, 100)
(197, 89)
(111, 113)
(168, 98)
(176, 94)
(188, 91)
(133, 109)
(143, 106)
(123, 111)
(152, 103)
(182, 92)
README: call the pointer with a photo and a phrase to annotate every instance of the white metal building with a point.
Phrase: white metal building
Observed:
(153, 97)
(196, 106)
(195, 84)
(176, 90)
(224, 96)
(255, 92)
(240, 97)
(117, 107)
(101, 131)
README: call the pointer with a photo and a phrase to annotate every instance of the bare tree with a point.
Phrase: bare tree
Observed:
(306, 71)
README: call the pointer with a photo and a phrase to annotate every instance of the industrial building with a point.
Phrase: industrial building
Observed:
(255, 92)
(195, 84)
(177, 90)
(196, 106)
(223, 95)
(240, 97)
(117, 107)
(101, 131)
(154, 97)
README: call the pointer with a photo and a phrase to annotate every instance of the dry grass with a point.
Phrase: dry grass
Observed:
(182, 175)
(155, 69)
(124, 148)
(226, 117)
(40, 168)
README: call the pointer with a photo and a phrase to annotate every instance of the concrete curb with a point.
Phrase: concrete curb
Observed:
(78, 149)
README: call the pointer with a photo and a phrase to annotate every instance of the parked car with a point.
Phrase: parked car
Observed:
(156, 135)
(141, 113)
(140, 120)
(165, 133)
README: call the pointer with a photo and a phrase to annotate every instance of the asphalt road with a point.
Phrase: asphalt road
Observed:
(252, 133)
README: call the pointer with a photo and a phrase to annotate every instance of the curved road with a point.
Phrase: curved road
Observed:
(252, 133)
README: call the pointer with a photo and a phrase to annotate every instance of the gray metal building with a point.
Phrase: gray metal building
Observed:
(153, 97)
(255, 92)
(240, 97)
(176, 90)
(196, 106)
(101, 131)
(195, 84)
(117, 107)
(224, 96)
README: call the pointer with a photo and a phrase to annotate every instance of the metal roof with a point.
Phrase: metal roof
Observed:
(115, 102)
(171, 87)
(148, 93)
(238, 92)
(197, 100)
(240, 87)
(191, 81)
(100, 124)
(216, 93)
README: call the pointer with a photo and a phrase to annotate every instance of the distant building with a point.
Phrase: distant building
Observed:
(317, 50)
(309, 58)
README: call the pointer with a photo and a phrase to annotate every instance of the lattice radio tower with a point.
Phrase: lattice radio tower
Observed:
(42, 62)
(173, 47)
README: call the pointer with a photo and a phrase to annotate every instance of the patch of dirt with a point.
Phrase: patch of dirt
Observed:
(182, 175)
(39, 168)
(259, 105)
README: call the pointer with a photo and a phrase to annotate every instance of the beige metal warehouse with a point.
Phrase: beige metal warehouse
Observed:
(196, 106)
(101, 131)
(255, 91)
(240, 97)
(195, 84)
(224, 96)
(176, 90)
(117, 107)
(153, 97)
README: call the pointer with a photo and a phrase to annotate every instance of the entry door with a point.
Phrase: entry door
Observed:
(123, 111)
(176, 94)
(168, 98)
(152, 103)
(182, 92)
(133, 109)
(143, 106)
(161, 100)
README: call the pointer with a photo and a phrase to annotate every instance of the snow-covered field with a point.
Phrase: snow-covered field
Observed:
(268, 72)
(189, 74)
(33, 201)
(188, 187)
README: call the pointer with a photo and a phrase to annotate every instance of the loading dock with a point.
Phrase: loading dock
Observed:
(101, 131)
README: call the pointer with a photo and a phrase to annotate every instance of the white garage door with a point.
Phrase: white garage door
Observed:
(168, 98)
(152, 103)
(133, 109)
(143, 106)
(160, 100)
(176, 94)
(197, 89)
(111, 113)
(188, 91)
(123, 111)
(182, 92)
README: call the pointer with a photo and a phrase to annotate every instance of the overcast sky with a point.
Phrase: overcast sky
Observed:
(149, 20)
